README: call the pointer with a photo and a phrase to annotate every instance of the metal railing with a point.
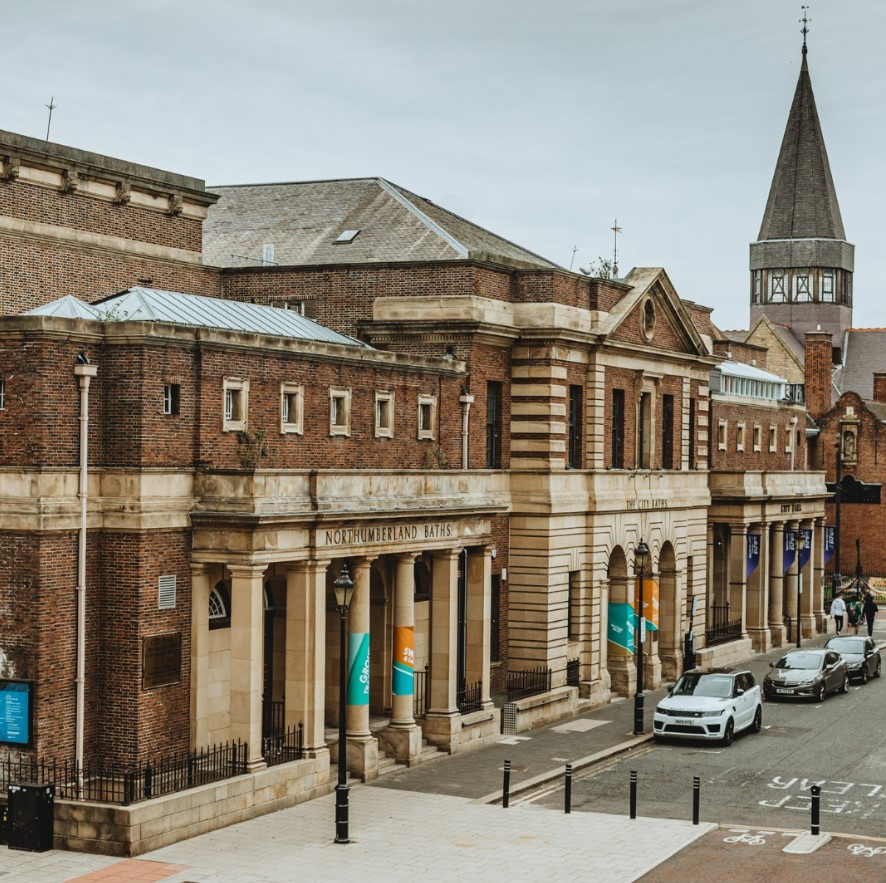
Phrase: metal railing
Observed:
(573, 672)
(528, 683)
(109, 783)
(285, 746)
(421, 697)
(720, 627)
(470, 697)
(273, 715)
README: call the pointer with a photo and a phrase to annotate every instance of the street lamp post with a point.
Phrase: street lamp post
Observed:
(837, 494)
(799, 545)
(641, 557)
(344, 591)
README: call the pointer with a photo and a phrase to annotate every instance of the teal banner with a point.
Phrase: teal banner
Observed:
(358, 668)
(622, 619)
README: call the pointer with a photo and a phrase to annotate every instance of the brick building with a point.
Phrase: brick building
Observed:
(299, 378)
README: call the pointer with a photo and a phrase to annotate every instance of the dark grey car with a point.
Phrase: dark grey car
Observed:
(807, 673)
(861, 655)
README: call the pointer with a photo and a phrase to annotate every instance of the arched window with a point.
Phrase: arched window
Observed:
(220, 606)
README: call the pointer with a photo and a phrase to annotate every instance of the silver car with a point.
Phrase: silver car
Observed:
(807, 673)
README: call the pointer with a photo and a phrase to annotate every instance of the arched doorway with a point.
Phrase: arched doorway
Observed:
(670, 612)
(620, 626)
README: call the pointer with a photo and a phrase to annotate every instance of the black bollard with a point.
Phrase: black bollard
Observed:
(816, 806)
(568, 788)
(633, 794)
(506, 785)
(696, 798)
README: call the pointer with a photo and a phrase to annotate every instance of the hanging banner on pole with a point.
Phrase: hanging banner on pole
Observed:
(753, 554)
(790, 550)
(358, 668)
(620, 632)
(650, 601)
(829, 537)
(404, 660)
(806, 551)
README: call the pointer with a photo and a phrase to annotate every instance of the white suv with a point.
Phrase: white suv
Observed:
(710, 704)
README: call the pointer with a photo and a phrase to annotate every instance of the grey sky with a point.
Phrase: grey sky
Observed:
(542, 121)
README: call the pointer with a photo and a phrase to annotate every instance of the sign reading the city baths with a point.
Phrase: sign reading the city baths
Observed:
(386, 534)
(161, 660)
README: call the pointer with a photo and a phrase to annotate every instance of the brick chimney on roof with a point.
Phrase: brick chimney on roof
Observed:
(879, 386)
(819, 354)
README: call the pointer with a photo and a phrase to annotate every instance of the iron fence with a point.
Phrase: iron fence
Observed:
(573, 672)
(110, 783)
(273, 713)
(285, 746)
(528, 683)
(421, 698)
(470, 697)
(720, 627)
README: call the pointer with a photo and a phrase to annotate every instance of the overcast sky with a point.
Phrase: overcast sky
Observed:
(542, 120)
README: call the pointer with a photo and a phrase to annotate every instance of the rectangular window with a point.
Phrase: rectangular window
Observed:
(758, 437)
(575, 426)
(667, 432)
(339, 412)
(384, 415)
(802, 287)
(757, 291)
(495, 619)
(171, 393)
(691, 433)
(739, 437)
(427, 416)
(776, 286)
(493, 424)
(773, 439)
(571, 605)
(236, 403)
(827, 286)
(788, 439)
(644, 430)
(618, 429)
(721, 435)
(291, 408)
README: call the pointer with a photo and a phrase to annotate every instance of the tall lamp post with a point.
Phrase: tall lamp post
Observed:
(344, 591)
(799, 545)
(641, 557)
(838, 490)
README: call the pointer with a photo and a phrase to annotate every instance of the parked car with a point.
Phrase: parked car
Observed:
(710, 704)
(807, 673)
(861, 655)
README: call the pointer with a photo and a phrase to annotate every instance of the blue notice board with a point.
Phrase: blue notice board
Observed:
(16, 711)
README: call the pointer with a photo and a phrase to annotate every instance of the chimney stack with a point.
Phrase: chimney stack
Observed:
(819, 350)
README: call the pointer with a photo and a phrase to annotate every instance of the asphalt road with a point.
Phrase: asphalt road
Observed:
(762, 780)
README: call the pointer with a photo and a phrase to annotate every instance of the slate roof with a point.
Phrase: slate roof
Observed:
(156, 305)
(864, 353)
(802, 200)
(302, 220)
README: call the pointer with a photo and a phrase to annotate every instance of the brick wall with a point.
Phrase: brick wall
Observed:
(818, 372)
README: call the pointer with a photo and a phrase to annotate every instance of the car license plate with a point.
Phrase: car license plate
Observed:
(684, 723)
(782, 690)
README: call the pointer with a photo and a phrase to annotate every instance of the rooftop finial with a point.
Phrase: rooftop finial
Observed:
(805, 22)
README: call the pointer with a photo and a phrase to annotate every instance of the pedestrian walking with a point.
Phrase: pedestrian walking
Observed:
(869, 609)
(853, 614)
(838, 610)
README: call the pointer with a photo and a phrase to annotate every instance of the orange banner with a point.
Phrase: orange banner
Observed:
(650, 600)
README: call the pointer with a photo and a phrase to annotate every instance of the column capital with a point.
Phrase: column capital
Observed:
(247, 570)
(307, 565)
(200, 568)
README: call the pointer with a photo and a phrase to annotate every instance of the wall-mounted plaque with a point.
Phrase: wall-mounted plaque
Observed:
(161, 660)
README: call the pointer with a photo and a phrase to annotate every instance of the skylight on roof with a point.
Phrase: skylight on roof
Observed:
(346, 236)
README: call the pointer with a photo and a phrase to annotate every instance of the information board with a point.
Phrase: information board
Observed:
(161, 660)
(16, 712)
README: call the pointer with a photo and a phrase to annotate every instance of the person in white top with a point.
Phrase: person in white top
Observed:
(838, 611)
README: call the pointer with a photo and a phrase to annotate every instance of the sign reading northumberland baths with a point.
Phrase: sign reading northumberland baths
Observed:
(371, 534)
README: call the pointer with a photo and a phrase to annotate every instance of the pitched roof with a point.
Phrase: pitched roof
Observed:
(802, 200)
(864, 353)
(156, 305)
(304, 220)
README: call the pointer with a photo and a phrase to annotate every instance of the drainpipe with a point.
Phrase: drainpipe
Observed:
(85, 372)
(466, 400)
(793, 441)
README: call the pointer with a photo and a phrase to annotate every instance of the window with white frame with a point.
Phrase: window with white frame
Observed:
(773, 439)
(758, 437)
(427, 416)
(236, 403)
(384, 415)
(291, 408)
(721, 435)
(788, 439)
(739, 436)
(171, 396)
(339, 412)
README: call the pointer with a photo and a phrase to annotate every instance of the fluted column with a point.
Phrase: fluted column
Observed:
(247, 662)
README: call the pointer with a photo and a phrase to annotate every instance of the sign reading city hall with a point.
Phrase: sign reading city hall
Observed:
(387, 534)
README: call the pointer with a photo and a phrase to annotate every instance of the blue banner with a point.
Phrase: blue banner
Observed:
(829, 537)
(807, 548)
(790, 550)
(753, 554)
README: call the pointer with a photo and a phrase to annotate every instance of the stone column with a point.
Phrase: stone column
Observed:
(738, 584)
(817, 567)
(807, 607)
(402, 737)
(758, 590)
(362, 746)
(199, 656)
(478, 615)
(442, 721)
(777, 629)
(247, 662)
(305, 660)
(790, 588)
